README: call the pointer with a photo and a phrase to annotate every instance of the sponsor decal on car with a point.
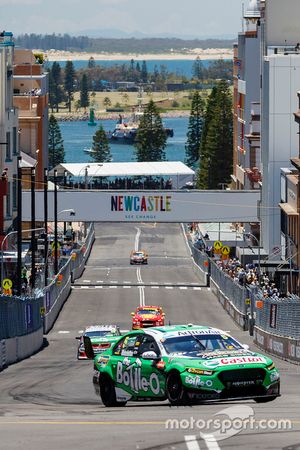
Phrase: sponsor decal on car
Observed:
(132, 377)
(236, 360)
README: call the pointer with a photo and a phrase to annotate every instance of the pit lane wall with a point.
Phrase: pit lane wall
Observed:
(24, 320)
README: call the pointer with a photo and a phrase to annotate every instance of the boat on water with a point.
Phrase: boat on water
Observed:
(125, 131)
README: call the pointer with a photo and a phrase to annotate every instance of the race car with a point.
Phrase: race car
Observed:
(185, 364)
(101, 336)
(147, 316)
(138, 257)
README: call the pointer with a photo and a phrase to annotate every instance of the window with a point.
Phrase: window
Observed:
(8, 202)
(8, 150)
(128, 346)
(14, 141)
(148, 344)
(14, 192)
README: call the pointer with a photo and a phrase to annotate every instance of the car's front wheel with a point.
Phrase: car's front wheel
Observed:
(108, 393)
(175, 391)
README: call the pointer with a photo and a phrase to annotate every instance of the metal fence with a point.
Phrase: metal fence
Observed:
(24, 315)
(19, 316)
(234, 292)
(279, 316)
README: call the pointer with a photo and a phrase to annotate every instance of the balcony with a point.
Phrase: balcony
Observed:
(240, 174)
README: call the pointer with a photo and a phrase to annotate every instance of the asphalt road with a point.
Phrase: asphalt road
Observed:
(47, 402)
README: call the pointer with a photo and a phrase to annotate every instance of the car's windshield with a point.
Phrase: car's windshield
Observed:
(141, 312)
(139, 254)
(193, 344)
(99, 333)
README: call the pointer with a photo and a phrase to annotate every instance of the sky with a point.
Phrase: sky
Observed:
(179, 18)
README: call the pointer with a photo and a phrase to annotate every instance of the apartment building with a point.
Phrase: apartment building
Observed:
(30, 83)
(9, 137)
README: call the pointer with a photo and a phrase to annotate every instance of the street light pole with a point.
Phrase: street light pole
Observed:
(65, 184)
(46, 223)
(55, 225)
(258, 245)
(19, 227)
(33, 227)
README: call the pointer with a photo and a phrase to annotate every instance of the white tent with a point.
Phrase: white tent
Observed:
(178, 172)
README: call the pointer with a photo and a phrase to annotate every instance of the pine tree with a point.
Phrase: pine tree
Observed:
(144, 72)
(192, 147)
(198, 69)
(84, 93)
(151, 137)
(69, 82)
(101, 150)
(55, 86)
(56, 150)
(216, 146)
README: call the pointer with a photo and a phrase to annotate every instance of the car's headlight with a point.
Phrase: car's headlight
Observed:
(271, 366)
(200, 371)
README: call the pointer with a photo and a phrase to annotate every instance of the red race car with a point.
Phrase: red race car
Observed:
(147, 316)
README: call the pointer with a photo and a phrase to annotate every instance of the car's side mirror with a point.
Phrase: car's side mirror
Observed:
(245, 346)
(132, 314)
(150, 356)
(88, 348)
(77, 337)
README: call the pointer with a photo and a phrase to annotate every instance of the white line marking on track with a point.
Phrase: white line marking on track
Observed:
(63, 332)
(127, 282)
(127, 287)
(169, 287)
(210, 441)
(208, 289)
(154, 287)
(112, 287)
(85, 287)
(86, 281)
(183, 288)
(98, 287)
(197, 288)
(99, 281)
(191, 442)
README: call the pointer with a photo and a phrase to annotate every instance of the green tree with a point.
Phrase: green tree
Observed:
(55, 87)
(192, 147)
(91, 63)
(198, 69)
(101, 150)
(84, 92)
(151, 137)
(106, 102)
(144, 72)
(69, 82)
(56, 150)
(217, 140)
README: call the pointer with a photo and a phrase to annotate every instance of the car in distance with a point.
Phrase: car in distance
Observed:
(101, 336)
(138, 257)
(147, 316)
(185, 364)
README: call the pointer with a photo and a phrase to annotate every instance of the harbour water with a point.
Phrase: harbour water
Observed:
(77, 136)
(181, 67)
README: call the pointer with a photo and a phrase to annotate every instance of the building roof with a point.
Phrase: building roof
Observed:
(27, 161)
(124, 169)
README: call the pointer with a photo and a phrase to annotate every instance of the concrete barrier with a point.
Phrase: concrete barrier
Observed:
(286, 348)
(53, 312)
(239, 317)
(20, 347)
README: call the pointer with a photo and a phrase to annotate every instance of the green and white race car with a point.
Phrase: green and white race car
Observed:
(184, 364)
